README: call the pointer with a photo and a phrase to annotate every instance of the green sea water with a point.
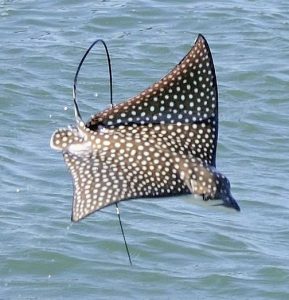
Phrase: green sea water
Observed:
(180, 250)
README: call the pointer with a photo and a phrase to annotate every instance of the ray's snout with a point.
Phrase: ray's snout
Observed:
(55, 141)
(224, 191)
(63, 138)
(229, 201)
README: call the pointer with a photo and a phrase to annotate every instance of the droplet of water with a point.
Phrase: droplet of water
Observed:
(65, 107)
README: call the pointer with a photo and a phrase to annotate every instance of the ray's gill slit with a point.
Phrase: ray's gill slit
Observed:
(159, 143)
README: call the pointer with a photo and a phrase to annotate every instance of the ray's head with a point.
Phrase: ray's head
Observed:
(223, 191)
(73, 139)
(212, 185)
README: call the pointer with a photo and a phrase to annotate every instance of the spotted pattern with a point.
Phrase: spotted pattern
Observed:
(188, 94)
(63, 138)
(159, 143)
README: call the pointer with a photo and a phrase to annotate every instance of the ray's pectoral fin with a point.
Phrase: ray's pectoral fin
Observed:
(96, 181)
(188, 94)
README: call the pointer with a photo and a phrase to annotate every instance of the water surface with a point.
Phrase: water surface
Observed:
(179, 249)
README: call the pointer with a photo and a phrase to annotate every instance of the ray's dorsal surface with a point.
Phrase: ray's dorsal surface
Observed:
(161, 142)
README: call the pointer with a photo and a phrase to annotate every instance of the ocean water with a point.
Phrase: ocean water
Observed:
(180, 250)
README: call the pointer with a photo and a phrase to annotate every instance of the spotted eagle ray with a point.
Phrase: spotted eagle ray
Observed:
(161, 142)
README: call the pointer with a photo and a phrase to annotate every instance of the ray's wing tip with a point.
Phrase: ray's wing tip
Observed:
(200, 37)
(74, 218)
